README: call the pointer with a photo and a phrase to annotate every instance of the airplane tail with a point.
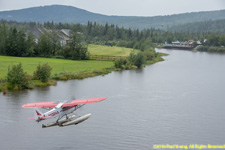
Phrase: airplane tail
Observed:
(37, 114)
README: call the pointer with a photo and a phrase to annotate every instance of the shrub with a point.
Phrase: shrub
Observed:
(150, 55)
(119, 63)
(17, 77)
(43, 72)
(137, 59)
(132, 57)
(140, 59)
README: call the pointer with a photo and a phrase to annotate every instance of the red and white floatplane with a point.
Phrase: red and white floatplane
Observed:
(63, 111)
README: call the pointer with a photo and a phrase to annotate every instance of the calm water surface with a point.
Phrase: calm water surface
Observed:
(178, 101)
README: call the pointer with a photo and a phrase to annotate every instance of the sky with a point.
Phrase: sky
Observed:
(123, 7)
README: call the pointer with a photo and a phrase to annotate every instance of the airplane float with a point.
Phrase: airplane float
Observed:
(61, 110)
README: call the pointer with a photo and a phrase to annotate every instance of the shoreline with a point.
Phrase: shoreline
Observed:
(73, 76)
(215, 49)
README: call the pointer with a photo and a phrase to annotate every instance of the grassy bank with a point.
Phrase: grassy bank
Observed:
(59, 66)
(61, 69)
(157, 59)
(66, 69)
(108, 50)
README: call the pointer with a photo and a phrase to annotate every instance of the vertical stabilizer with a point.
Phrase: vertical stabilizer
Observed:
(37, 114)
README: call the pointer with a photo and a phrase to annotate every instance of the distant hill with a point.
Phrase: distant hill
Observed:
(216, 26)
(69, 14)
(56, 13)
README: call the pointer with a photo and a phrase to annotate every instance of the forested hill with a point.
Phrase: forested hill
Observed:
(69, 14)
(216, 26)
(56, 13)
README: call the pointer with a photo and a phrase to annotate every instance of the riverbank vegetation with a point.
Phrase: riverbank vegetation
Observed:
(211, 49)
(63, 66)
(36, 71)
(134, 48)
(59, 66)
(215, 43)
(18, 79)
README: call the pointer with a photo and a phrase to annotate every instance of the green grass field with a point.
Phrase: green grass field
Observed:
(65, 66)
(109, 51)
(58, 65)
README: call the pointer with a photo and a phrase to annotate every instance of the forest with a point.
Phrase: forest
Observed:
(215, 26)
(17, 39)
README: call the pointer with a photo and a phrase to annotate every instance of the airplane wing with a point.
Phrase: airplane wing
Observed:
(84, 101)
(40, 105)
(53, 104)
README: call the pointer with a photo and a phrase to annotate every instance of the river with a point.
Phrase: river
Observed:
(178, 101)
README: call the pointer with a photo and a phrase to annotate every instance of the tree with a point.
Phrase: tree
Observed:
(30, 45)
(15, 43)
(213, 40)
(149, 54)
(43, 72)
(17, 77)
(3, 37)
(21, 42)
(45, 44)
(132, 57)
(106, 29)
(139, 59)
(222, 40)
(54, 42)
(11, 43)
(169, 37)
(76, 51)
(119, 63)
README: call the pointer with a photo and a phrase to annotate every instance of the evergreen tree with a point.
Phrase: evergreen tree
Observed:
(30, 45)
(222, 40)
(44, 44)
(140, 59)
(3, 37)
(21, 42)
(11, 43)
(76, 50)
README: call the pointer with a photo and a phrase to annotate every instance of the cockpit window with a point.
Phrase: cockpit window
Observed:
(65, 108)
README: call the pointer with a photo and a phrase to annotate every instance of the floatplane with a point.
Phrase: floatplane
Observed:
(61, 110)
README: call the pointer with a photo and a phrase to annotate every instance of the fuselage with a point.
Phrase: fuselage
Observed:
(58, 111)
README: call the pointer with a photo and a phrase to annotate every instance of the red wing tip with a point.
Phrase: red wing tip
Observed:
(102, 98)
(27, 105)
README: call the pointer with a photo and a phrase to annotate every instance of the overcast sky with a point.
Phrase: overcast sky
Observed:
(124, 7)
